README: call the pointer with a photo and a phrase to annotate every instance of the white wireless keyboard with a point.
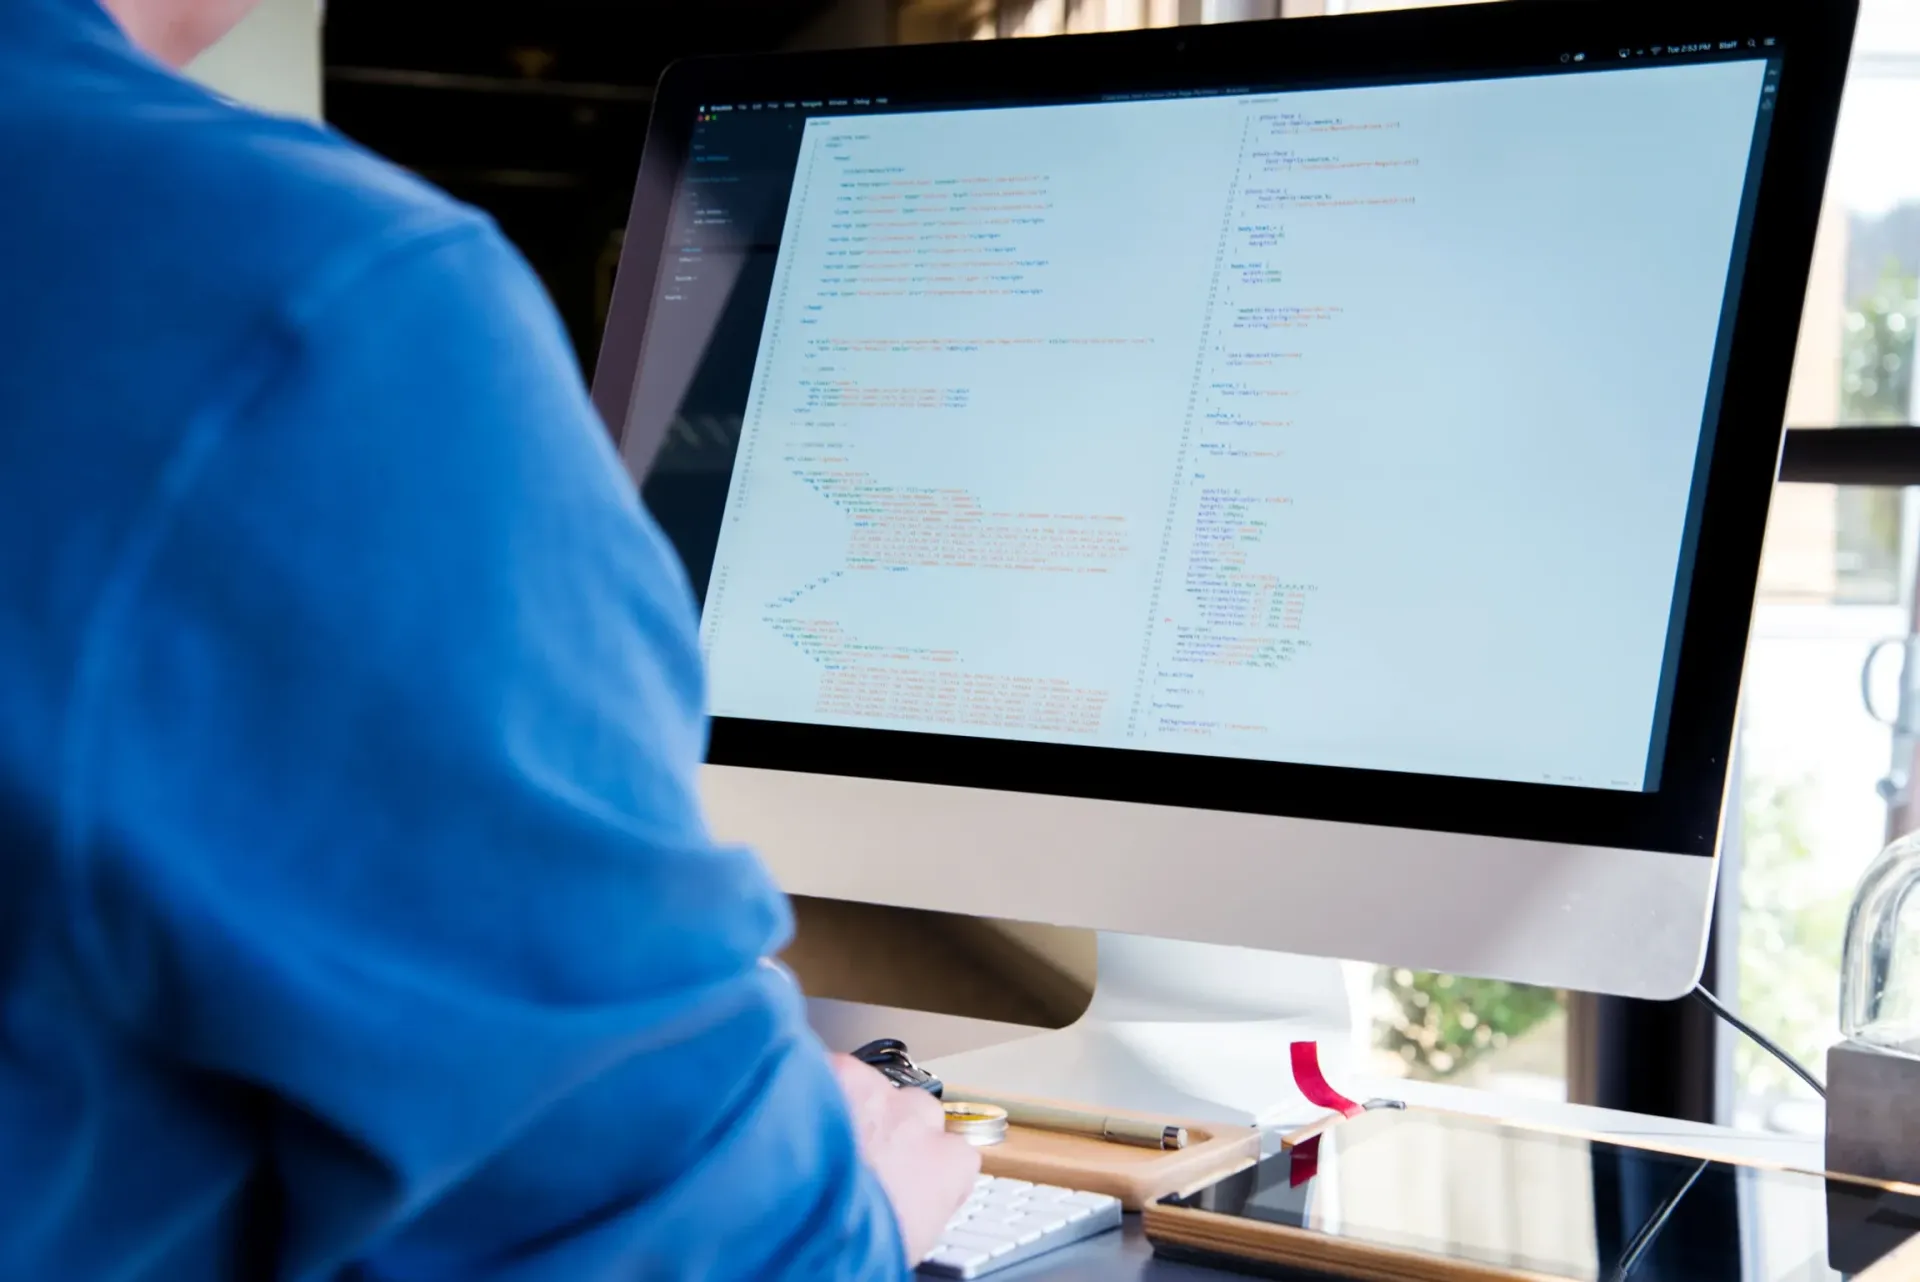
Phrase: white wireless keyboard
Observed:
(1008, 1221)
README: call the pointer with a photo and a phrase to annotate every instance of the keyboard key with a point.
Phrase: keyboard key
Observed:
(957, 1257)
(971, 1241)
(992, 1226)
(1007, 1222)
(1098, 1201)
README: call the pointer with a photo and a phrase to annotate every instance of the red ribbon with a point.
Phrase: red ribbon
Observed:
(1313, 1083)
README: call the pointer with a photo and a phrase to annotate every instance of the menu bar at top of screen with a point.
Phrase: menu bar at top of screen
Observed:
(1572, 60)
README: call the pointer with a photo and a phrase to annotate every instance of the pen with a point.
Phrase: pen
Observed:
(1073, 1121)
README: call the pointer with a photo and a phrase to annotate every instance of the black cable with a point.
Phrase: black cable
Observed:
(1766, 1043)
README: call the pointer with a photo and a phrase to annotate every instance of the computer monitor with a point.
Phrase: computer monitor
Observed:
(1296, 485)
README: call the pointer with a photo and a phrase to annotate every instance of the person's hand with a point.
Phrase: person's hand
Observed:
(926, 1172)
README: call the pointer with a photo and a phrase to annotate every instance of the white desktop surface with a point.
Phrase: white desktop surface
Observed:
(1127, 1254)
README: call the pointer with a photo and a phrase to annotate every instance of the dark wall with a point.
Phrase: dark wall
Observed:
(534, 111)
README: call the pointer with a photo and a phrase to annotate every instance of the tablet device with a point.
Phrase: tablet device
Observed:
(1428, 1194)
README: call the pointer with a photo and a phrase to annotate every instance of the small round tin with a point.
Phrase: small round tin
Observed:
(981, 1125)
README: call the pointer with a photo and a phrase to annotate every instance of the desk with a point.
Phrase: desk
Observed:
(1126, 1255)
(1111, 1257)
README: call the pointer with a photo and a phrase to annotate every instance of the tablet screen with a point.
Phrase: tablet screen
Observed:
(1562, 1206)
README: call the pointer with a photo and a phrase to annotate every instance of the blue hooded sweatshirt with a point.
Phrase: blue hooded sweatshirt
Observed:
(357, 918)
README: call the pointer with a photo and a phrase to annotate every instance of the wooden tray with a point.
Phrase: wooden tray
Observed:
(1137, 1176)
(1251, 1244)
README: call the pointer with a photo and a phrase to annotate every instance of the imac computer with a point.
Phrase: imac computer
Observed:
(1292, 486)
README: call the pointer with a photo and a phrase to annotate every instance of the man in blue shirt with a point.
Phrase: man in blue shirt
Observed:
(357, 918)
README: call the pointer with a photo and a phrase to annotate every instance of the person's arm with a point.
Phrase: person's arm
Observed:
(383, 817)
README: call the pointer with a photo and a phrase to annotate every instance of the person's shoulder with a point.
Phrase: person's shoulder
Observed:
(230, 212)
(288, 199)
(134, 176)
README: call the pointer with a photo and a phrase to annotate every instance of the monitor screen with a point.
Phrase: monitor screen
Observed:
(1361, 425)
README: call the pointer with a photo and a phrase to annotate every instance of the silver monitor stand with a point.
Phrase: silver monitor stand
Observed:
(1186, 1030)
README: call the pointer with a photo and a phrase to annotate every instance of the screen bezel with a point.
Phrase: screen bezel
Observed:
(1682, 814)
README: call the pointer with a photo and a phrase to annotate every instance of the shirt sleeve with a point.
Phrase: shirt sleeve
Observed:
(384, 830)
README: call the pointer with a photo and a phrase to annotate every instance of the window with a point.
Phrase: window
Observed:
(1812, 757)
(1839, 577)
(1817, 764)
